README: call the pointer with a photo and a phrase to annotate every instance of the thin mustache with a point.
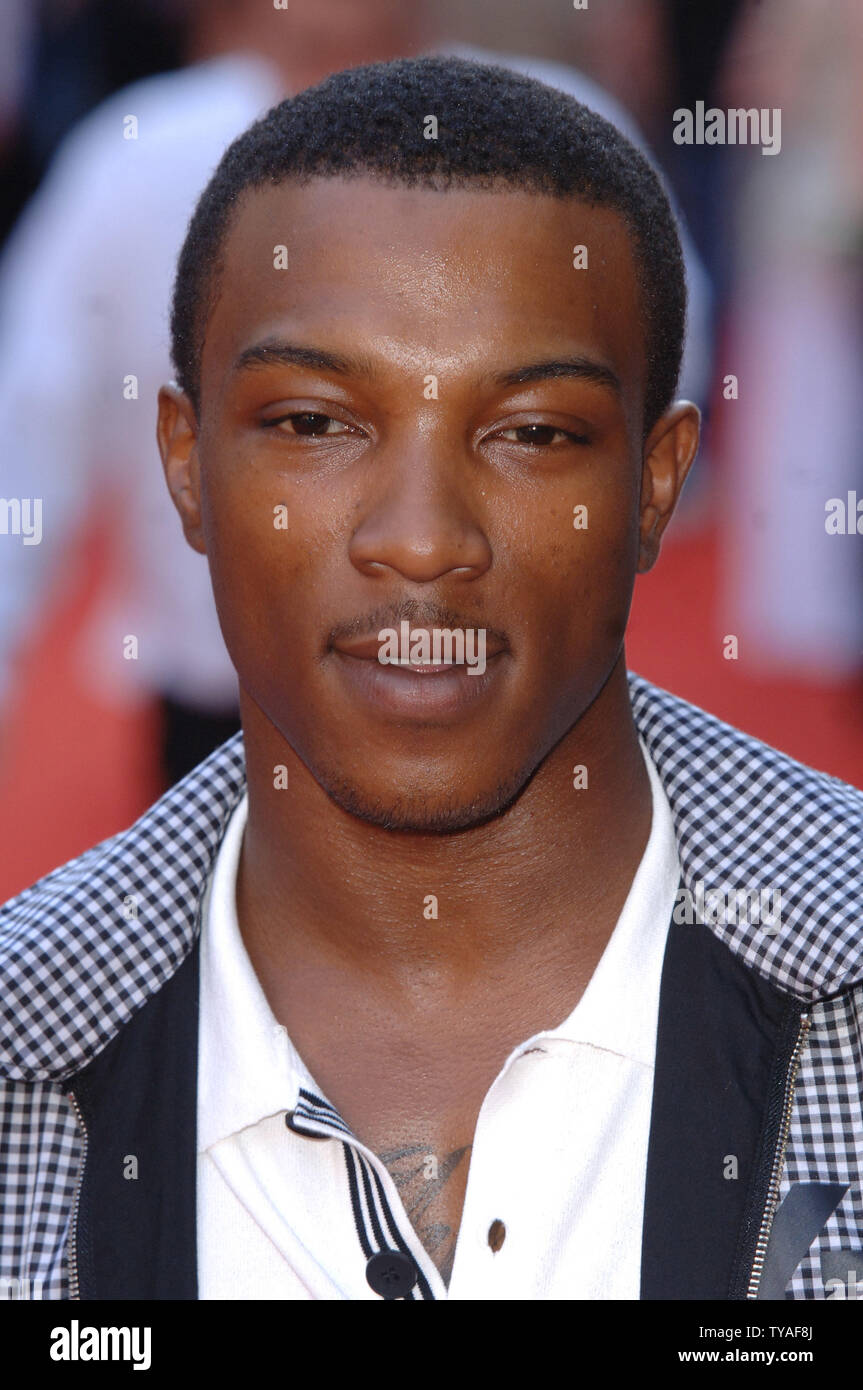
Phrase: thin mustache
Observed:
(417, 614)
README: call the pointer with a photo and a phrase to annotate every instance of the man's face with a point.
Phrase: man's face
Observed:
(463, 396)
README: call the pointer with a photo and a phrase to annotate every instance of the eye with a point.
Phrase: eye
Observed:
(541, 436)
(310, 423)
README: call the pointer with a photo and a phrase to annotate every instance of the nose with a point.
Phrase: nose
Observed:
(422, 522)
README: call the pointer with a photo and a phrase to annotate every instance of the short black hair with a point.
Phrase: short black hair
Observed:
(496, 128)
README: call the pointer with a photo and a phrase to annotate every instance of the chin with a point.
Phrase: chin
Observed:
(423, 812)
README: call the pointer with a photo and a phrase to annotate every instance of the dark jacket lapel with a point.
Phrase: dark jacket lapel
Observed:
(724, 1041)
(136, 1235)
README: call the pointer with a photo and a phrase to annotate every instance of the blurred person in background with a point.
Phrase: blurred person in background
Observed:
(698, 37)
(17, 26)
(59, 59)
(793, 439)
(84, 285)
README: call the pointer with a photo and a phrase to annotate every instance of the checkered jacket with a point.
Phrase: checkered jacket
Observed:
(760, 1041)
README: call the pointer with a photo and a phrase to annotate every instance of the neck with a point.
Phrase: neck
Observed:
(549, 875)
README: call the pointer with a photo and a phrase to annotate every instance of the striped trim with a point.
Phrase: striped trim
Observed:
(376, 1226)
(319, 1116)
(372, 1213)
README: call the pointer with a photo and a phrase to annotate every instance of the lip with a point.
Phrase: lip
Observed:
(419, 695)
(367, 648)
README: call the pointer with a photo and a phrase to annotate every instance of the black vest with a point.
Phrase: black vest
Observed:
(724, 1051)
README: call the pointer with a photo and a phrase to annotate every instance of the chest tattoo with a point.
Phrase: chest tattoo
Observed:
(431, 1188)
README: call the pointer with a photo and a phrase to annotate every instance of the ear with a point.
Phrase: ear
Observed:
(669, 451)
(177, 435)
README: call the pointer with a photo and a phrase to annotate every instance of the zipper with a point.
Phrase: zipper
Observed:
(778, 1160)
(74, 1282)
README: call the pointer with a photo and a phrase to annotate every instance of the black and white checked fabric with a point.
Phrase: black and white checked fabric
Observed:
(84, 948)
(748, 816)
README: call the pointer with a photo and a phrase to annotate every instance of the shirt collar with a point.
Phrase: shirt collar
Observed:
(618, 1009)
(247, 1068)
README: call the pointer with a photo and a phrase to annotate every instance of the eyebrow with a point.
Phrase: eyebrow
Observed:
(271, 354)
(279, 354)
(583, 368)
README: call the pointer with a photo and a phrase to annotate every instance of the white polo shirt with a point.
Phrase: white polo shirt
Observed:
(559, 1153)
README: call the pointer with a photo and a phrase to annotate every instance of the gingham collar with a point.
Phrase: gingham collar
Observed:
(84, 948)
